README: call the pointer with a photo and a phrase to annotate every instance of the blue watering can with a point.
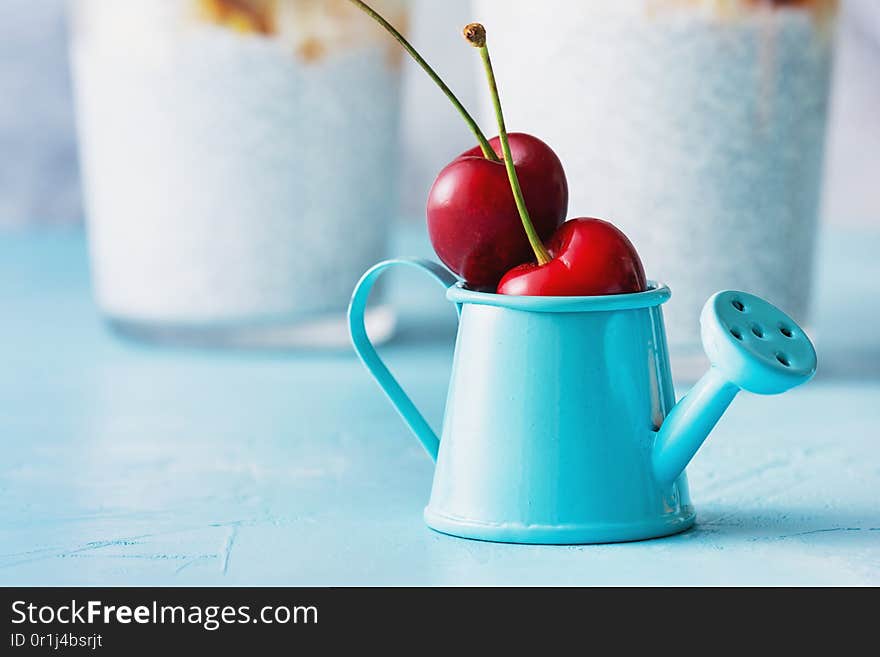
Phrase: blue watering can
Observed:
(561, 424)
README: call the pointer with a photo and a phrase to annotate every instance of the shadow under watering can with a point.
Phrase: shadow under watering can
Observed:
(561, 425)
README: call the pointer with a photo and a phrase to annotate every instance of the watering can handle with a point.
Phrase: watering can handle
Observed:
(367, 352)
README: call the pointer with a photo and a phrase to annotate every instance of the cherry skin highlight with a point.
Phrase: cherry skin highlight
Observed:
(474, 225)
(589, 257)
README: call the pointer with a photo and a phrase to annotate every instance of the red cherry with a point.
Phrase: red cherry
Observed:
(473, 222)
(589, 257)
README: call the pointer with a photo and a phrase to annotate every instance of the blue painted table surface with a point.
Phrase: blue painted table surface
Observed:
(133, 464)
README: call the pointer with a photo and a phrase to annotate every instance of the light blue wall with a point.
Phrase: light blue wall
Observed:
(853, 156)
(38, 168)
(38, 177)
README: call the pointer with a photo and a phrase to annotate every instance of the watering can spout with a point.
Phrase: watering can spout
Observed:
(753, 346)
(689, 423)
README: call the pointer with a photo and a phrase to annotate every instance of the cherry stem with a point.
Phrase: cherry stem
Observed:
(476, 36)
(488, 152)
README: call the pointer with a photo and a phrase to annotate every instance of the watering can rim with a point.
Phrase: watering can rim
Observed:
(656, 294)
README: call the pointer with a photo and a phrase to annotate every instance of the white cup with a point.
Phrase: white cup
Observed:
(697, 127)
(239, 163)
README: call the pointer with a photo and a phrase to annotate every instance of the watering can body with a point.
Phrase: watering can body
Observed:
(561, 424)
(549, 425)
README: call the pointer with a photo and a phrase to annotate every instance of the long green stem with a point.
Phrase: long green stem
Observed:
(476, 36)
(488, 152)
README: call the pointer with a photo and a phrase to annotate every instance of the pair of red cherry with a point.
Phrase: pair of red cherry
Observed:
(476, 231)
(499, 204)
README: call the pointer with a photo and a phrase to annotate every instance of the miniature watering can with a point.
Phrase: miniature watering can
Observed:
(561, 424)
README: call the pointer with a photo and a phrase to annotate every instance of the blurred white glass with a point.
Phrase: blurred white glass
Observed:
(239, 159)
(697, 126)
